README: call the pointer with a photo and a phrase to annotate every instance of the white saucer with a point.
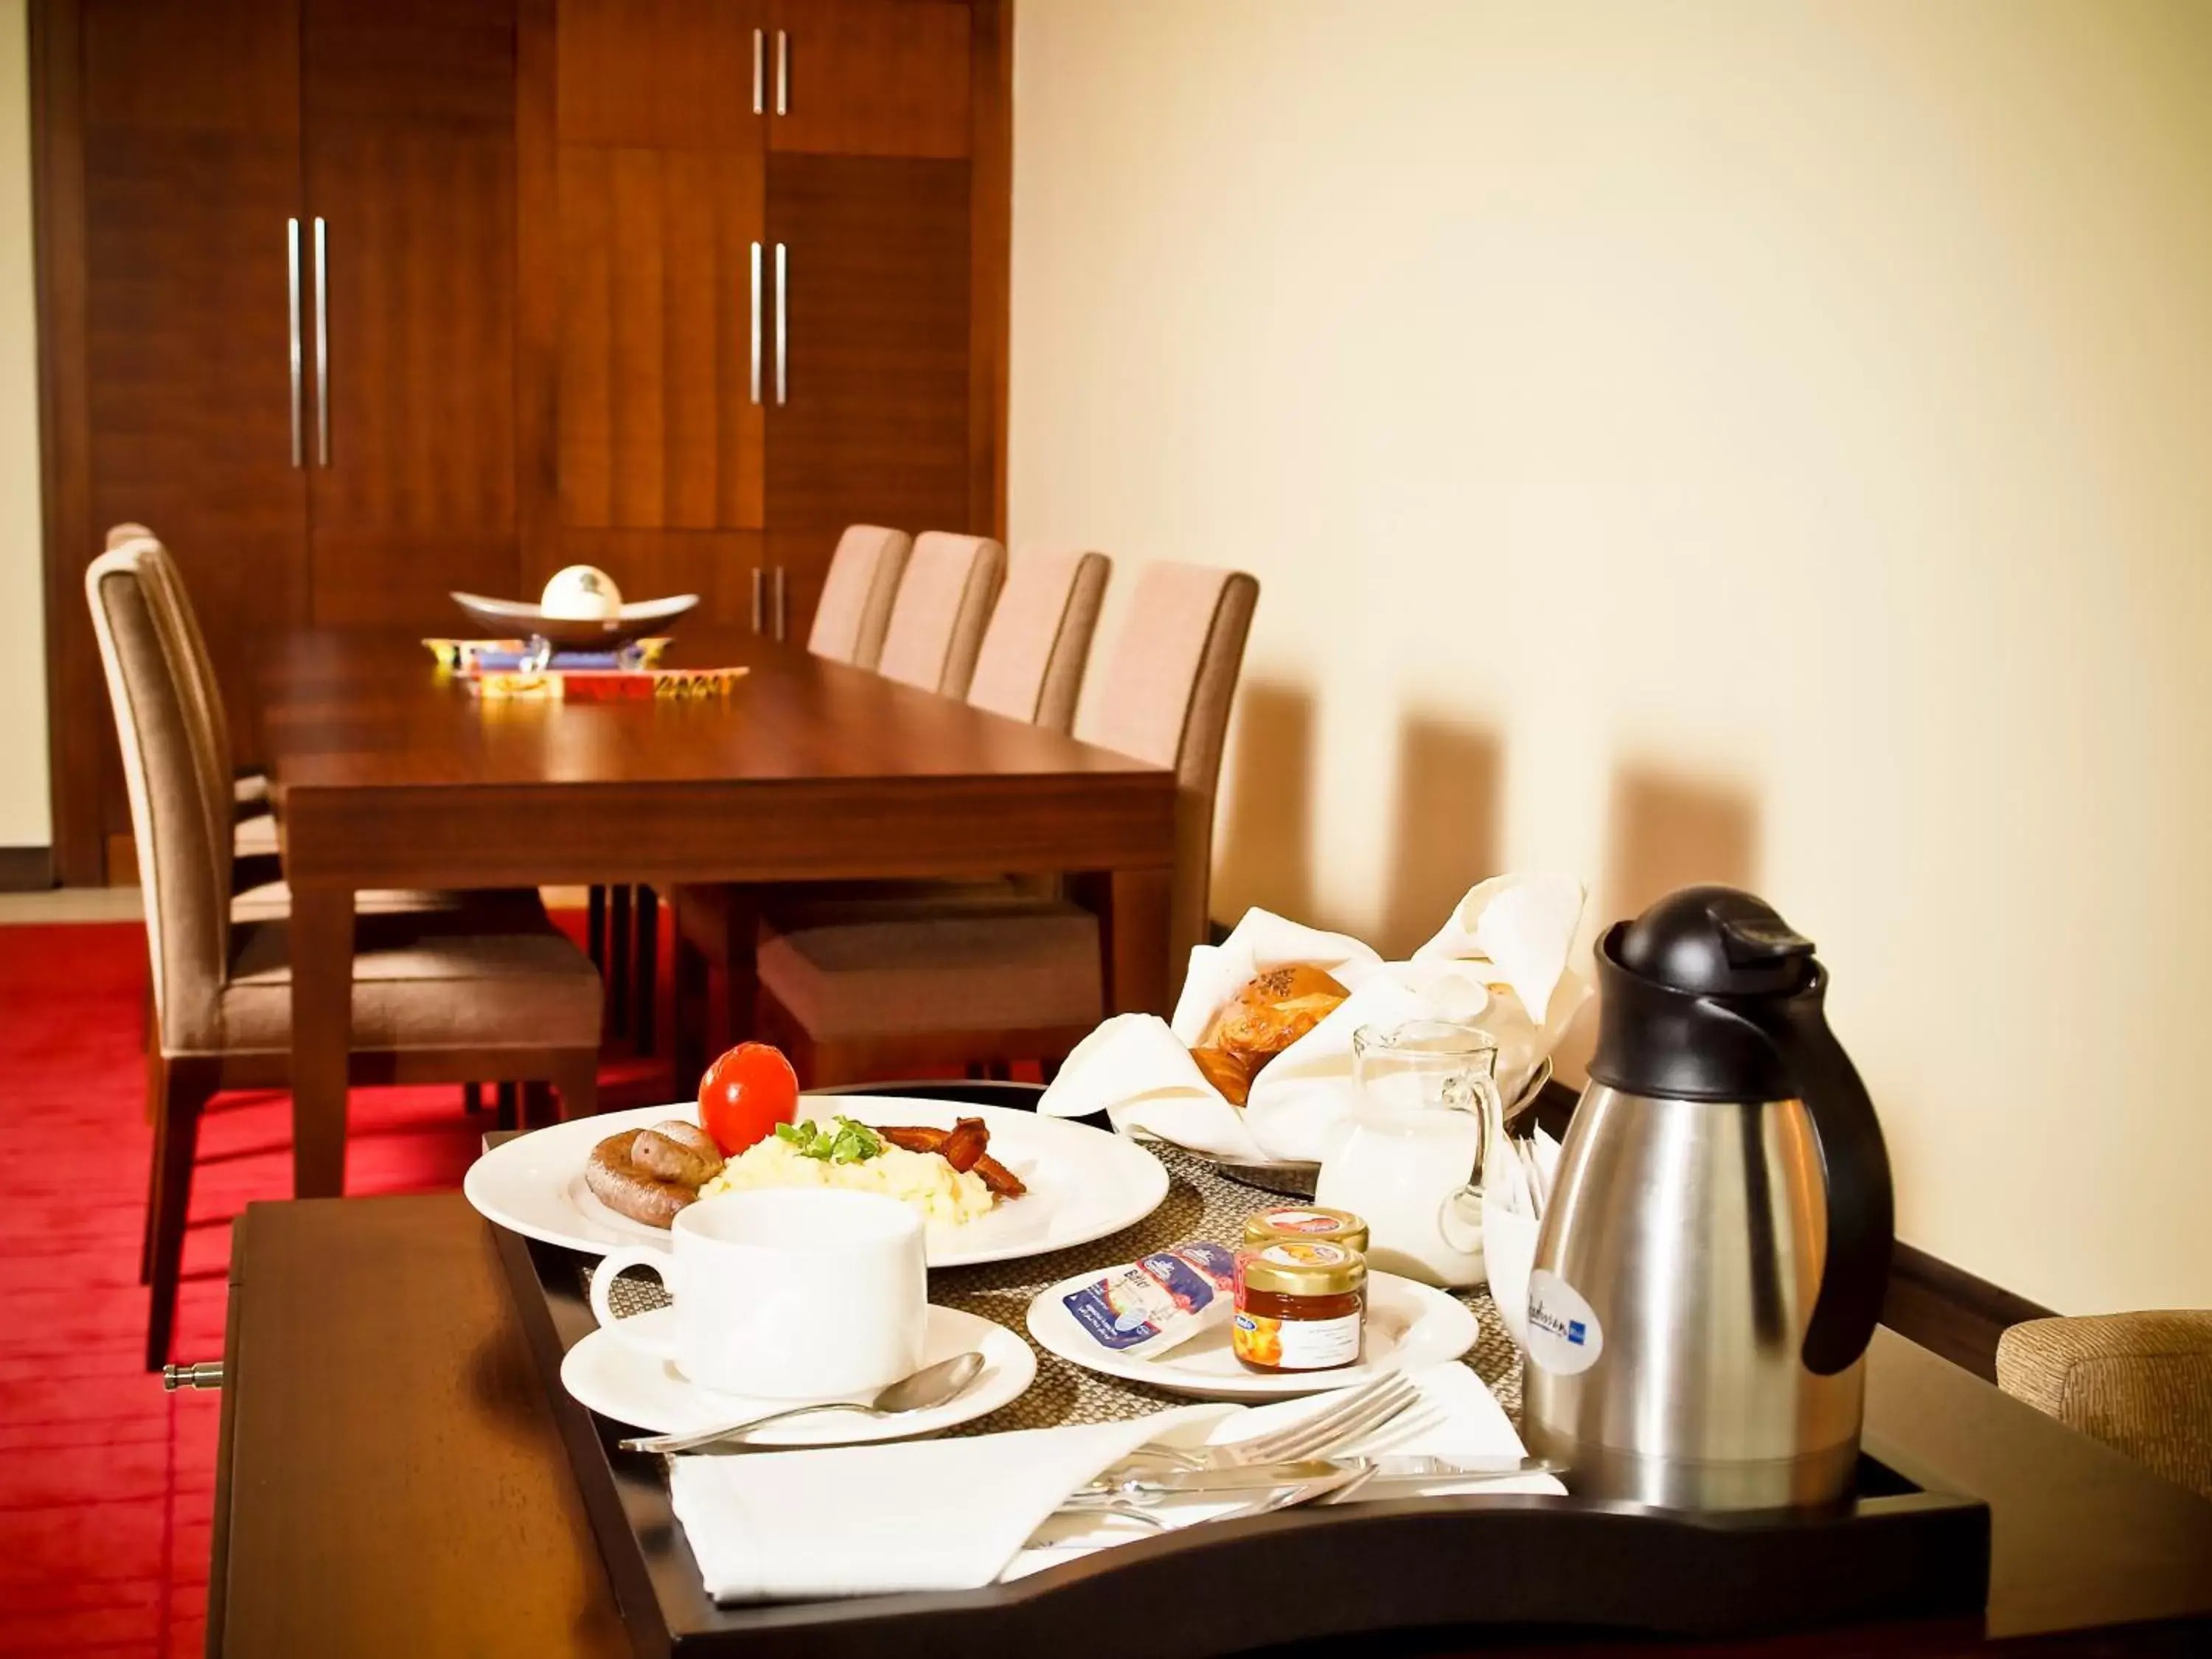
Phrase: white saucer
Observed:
(1408, 1326)
(632, 1387)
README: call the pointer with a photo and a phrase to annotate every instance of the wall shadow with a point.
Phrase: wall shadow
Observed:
(1450, 786)
(1665, 830)
(1263, 848)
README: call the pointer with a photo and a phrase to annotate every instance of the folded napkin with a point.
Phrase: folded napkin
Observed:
(1510, 1220)
(1456, 1416)
(940, 1515)
(1502, 952)
(915, 1515)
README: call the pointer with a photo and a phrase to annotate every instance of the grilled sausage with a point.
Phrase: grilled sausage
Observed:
(615, 1179)
(678, 1151)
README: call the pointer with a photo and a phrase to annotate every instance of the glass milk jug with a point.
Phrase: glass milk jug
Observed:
(1428, 1105)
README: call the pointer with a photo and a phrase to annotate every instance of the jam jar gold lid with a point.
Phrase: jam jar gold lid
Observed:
(1302, 1267)
(1309, 1221)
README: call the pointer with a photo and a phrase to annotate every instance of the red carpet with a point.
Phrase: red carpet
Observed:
(107, 1484)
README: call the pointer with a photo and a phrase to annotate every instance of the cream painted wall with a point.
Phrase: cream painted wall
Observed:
(23, 806)
(1764, 442)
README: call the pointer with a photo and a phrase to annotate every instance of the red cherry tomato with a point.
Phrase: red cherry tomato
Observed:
(745, 1094)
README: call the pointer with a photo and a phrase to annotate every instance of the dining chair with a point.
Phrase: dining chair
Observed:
(259, 889)
(893, 986)
(857, 594)
(944, 602)
(1030, 667)
(255, 835)
(438, 996)
(1034, 653)
(623, 924)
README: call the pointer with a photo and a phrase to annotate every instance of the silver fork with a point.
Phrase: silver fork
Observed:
(1267, 1502)
(1361, 1411)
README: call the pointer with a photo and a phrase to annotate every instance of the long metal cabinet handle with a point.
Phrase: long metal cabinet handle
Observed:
(758, 574)
(779, 602)
(782, 73)
(782, 321)
(757, 321)
(292, 277)
(322, 347)
(759, 54)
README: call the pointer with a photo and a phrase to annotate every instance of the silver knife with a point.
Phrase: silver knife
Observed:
(1256, 1476)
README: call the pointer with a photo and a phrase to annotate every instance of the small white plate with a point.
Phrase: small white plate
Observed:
(1409, 1325)
(649, 1394)
(1083, 1184)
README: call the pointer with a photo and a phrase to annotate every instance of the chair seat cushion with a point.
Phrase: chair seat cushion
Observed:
(882, 967)
(424, 980)
(829, 903)
(504, 907)
(254, 837)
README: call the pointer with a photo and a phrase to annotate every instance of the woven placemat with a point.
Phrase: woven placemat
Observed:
(1201, 1203)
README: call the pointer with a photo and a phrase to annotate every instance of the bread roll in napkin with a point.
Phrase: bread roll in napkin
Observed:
(1512, 931)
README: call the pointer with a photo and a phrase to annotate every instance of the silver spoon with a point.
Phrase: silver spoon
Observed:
(930, 1386)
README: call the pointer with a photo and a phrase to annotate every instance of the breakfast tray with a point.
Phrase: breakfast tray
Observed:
(1902, 1549)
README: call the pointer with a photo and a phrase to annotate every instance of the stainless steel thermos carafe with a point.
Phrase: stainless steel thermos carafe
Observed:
(1714, 1252)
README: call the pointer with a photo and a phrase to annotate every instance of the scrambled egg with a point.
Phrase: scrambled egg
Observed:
(924, 1180)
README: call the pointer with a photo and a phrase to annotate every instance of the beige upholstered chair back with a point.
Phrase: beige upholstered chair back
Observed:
(857, 594)
(203, 687)
(944, 602)
(180, 821)
(1163, 696)
(1038, 643)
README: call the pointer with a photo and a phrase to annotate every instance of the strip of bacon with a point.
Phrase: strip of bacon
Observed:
(967, 1143)
(916, 1138)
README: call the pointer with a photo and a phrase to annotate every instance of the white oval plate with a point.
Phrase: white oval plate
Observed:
(1408, 1325)
(1083, 1184)
(619, 1382)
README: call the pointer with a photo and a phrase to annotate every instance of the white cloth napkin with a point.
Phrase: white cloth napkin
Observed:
(1510, 1221)
(1511, 931)
(1455, 1417)
(956, 1514)
(913, 1514)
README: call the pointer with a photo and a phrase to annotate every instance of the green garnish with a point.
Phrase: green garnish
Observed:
(847, 1143)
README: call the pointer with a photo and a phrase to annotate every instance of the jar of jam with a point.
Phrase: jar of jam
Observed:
(1305, 1221)
(1300, 1305)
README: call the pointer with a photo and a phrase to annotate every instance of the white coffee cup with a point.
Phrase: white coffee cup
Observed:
(784, 1293)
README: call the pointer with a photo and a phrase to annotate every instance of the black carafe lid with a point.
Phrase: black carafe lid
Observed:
(1665, 979)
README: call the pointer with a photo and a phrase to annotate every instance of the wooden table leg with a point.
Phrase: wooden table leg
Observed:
(1134, 925)
(715, 927)
(739, 944)
(322, 1037)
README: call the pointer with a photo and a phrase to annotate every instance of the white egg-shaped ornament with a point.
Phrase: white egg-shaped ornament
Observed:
(582, 592)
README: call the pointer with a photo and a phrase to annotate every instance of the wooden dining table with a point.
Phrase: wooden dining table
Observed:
(388, 772)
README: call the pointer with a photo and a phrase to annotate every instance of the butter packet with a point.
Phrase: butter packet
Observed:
(1160, 1301)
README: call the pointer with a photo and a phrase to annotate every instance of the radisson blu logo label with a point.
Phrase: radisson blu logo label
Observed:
(1564, 1333)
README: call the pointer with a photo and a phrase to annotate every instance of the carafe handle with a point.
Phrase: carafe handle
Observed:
(1861, 1207)
(1479, 1095)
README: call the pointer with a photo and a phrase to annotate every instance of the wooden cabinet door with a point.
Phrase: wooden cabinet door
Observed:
(410, 156)
(870, 77)
(660, 279)
(190, 152)
(656, 274)
(872, 424)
